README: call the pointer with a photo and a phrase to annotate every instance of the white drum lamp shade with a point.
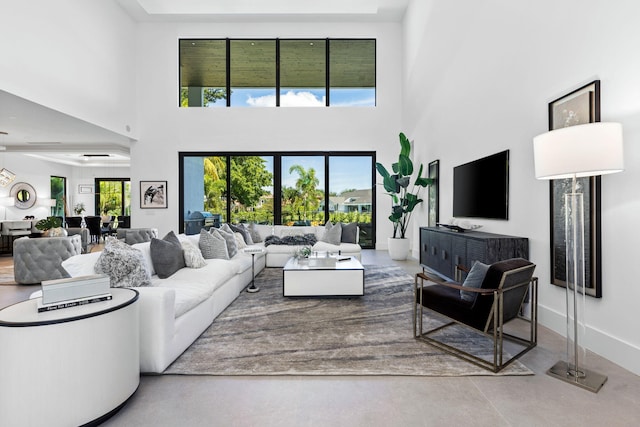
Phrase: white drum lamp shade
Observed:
(583, 150)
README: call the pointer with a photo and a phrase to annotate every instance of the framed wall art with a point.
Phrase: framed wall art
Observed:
(153, 194)
(85, 189)
(580, 106)
(433, 201)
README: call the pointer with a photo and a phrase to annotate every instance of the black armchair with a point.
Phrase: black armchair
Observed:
(499, 299)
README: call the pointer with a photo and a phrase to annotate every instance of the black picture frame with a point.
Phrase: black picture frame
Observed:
(153, 195)
(577, 107)
(433, 199)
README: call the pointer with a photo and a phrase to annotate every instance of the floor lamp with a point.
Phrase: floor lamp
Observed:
(574, 152)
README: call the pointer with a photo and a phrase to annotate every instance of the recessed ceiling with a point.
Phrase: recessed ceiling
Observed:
(30, 128)
(265, 11)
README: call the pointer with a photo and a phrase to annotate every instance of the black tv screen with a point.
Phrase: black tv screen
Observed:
(481, 188)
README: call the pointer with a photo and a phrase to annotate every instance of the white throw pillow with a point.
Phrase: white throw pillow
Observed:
(332, 233)
(192, 255)
(81, 265)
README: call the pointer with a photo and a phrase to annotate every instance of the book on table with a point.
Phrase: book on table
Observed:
(72, 303)
(74, 288)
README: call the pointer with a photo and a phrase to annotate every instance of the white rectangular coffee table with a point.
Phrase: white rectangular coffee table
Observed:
(323, 277)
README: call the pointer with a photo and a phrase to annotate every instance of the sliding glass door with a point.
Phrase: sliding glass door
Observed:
(351, 193)
(278, 188)
(113, 196)
(302, 190)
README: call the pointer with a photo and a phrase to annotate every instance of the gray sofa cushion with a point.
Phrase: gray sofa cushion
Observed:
(166, 255)
(349, 232)
(246, 236)
(212, 245)
(332, 233)
(255, 235)
(226, 232)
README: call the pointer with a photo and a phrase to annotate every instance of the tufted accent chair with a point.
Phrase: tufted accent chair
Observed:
(84, 235)
(132, 236)
(38, 259)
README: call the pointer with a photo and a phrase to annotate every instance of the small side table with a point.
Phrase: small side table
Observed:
(253, 250)
(71, 366)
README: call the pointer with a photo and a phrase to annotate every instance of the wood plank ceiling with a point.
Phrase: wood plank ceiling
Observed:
(302, 63)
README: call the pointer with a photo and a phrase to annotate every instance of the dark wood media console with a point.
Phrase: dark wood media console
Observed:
(442, 249)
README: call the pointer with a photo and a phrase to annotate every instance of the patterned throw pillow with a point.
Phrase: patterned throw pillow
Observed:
(332, 233)
(166, 255)
(124, 265)
(192, 256)
(246, 236)
(212, 245)
(253, 231)
(226, 232)
(240, 243)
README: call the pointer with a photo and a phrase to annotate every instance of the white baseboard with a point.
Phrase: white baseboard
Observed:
(612, 348)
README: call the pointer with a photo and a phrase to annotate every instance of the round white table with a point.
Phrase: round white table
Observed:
(68, 367)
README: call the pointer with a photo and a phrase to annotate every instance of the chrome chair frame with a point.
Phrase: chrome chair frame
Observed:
(495, 333)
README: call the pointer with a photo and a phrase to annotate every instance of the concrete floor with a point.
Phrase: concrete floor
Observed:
(537, 400)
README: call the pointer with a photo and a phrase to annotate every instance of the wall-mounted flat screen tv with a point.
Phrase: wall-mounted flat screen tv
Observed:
(481, 188)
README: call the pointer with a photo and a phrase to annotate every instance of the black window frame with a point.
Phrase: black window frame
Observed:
(327, 41)
(277, 180)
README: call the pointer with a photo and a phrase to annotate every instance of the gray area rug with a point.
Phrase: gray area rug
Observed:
(267, 334)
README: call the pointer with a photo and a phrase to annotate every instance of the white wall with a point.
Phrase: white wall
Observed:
(166, 129)
(37, 173)
(478, 76)
(87, 176)
(73, 56)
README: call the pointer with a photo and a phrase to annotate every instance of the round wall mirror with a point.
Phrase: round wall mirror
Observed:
(24, 195)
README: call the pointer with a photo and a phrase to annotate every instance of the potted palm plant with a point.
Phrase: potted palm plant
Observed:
(404, 196)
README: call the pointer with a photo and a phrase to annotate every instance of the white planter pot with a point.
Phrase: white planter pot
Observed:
(398, 248)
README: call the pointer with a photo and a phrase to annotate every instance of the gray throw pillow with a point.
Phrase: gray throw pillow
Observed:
(226, 232)
(332, 233)
(255, 236)
(124, 265)
(474, 280)
(244, 232)
(212, 245)
(166, 255)
(349, 232)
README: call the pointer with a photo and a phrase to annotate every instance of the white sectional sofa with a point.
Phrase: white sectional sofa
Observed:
(176, 310)
(277, 255)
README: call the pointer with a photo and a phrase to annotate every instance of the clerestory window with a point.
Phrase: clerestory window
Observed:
(277, 72)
